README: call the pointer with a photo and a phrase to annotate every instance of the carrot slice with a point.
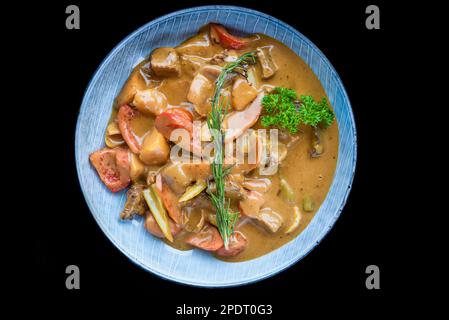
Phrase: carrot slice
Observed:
(208, 239)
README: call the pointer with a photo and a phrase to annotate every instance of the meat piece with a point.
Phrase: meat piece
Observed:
(135, 202)
(202, 202)
(237, 243)
(165, 62)
(208, 239)
(112, 166)
(150, 101)
(266, 217)
(155, 149)
(237, 122)
(200, 92)
(233, 191)
(152, 227)
(211, 72)
(269, 219)
(257, 184)
(242, 94)
(267, 63)
(169, 199)
(125, 115)
(220, 35)
(252, 203)
(219, 58)
(172, 119)
(182, 174)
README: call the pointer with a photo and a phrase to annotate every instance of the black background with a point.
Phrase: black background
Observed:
(370, 65)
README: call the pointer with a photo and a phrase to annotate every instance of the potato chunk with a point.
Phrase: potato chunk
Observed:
(135, 82)
(242, 94)
(150, 101)
(165, 62)
(155, 149)
(201, 90)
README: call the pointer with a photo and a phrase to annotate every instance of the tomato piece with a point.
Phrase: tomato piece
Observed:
(172, 119)
(208, 239)
(113, 167)
(125, 115)
(237, 243)
(227, 40)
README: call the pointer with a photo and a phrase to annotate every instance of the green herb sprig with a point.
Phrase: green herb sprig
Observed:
(225, 218)
(283, 110)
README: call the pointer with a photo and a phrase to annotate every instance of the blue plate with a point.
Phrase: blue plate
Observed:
(196, 267)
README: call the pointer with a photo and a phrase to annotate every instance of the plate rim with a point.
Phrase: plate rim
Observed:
(329, 226)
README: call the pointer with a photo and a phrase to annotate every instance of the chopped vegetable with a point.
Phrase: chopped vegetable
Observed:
(242, 93)
(150, 101)
(113, 167)
(286, 191)
(317, 145)
(125, 115)
(137, 168)
(155, 149)
(113, 137)
(307, 203)
(296, 220)
(221, 35)
(158, 211)
(201, 89)
(174, 118)
(194, 190)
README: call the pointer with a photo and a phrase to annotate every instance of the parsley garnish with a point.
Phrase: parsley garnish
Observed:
(283, 110)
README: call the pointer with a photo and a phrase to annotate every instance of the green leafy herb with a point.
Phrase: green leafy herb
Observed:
(283, 110)
(225, 218)
(280, 110)
(315, 113)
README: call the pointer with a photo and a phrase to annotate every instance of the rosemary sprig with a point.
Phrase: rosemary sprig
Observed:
(225, 218)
